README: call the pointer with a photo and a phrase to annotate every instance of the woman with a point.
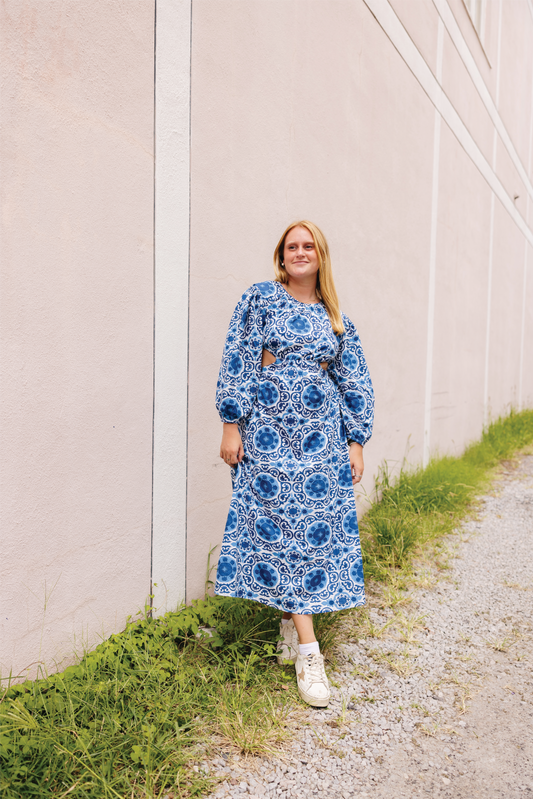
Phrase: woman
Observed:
(296, 401)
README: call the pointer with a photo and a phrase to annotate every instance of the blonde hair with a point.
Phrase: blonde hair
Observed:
(325, 287)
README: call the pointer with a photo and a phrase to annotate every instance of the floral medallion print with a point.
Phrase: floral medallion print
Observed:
(349, 523)
(313, 398)
(318, 534)
(299, 324)
(315, 580)
(316, 486)
(355, 401)
(267, 439)
(314, 442)
(267, 530)
(266, 486)
(227, 569)
(266, 575)
(235, 365)
(231, 409)
(291, 539)
(268, 394)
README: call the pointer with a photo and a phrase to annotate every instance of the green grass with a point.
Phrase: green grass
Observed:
(421, 505)
(138, 715)
(138, 712)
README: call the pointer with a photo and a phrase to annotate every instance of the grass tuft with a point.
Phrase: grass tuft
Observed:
(422, 505)
(137, 714)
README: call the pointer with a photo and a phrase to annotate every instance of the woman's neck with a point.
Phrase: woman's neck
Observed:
(303, 291)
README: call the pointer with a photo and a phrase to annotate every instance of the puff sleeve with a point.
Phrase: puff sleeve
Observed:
(350, 374)
(241, 361)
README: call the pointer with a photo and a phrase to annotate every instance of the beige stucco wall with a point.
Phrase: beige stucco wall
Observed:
(306, 109)
(76, 323)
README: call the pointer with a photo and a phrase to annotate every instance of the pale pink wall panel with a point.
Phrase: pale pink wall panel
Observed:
(76, 334)
(490, 43)
(461, 300)
(461, 91)
(483, 48)
(420, 18)
(515, 83)
(286, 127)
(510, 177)
(527, 364)
(506, 314)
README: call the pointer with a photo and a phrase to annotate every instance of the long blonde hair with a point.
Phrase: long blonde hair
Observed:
(325, 287)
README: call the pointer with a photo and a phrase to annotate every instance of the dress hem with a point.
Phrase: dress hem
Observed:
(277, 606)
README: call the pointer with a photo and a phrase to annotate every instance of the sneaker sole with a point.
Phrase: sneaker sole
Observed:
(313, 701)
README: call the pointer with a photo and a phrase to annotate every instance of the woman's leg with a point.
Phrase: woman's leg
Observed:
(311, 679)
(304, 628)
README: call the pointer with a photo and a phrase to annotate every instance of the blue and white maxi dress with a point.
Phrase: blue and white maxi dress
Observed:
(291, 538)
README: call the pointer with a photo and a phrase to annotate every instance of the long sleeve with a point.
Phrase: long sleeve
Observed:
(349, 372)
(241, 360)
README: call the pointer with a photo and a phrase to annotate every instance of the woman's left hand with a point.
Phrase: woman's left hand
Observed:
(356, 462)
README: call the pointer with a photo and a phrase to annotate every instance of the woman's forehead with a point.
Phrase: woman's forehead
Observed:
(297, 234)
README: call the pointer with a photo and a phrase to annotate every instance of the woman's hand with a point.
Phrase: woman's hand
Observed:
(231, 449)
(356, 462)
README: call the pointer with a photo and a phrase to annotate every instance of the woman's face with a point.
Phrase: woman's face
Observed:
(299, 254)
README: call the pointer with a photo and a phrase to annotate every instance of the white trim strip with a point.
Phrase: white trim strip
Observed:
(486, 398)
(524, 285)
(393, 28)
(171, 315)
(523, 332)
(457, 38)
(433, 259)
(486, 408)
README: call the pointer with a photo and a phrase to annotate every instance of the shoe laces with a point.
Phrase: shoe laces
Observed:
(315, 668)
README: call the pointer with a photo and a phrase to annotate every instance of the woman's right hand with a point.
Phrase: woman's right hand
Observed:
(231, 449)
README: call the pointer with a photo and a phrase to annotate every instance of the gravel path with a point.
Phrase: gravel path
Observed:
(448, 710)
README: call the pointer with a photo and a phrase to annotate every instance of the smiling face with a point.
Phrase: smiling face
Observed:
(300, 255)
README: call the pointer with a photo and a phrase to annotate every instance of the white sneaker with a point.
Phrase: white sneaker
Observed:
(313, 685)
(288, 646)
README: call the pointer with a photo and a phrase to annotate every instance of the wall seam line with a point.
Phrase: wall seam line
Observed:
(524, 282)
(486, 415)
(153, 318)
(188, 316)
(433, 258)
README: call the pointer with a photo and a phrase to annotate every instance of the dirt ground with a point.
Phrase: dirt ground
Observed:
(494, 754)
